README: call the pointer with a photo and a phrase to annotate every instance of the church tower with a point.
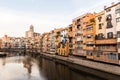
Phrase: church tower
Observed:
(31, 28)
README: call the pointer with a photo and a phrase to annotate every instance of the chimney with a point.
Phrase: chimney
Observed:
(112, 3)
(105, 7)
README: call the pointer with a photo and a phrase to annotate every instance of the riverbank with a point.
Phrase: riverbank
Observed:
(101, 67)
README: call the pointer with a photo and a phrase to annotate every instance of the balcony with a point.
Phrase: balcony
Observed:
(70, 46)
(70, 34)
(79, 39)
(89, 32)
(90, 40)
(89, 48)
(111, 49)
(106, 41)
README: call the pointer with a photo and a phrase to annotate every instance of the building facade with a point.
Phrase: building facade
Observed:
(30, 33)
(89, 29)
(78, 25)
(106, 44)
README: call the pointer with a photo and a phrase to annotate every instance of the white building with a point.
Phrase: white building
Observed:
(110, 22)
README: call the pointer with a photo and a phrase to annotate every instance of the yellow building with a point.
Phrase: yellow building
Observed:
(100, 34)
(62, 42)
(100, 24)
(57, 39)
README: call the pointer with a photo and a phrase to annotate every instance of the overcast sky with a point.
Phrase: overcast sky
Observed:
(17, 15)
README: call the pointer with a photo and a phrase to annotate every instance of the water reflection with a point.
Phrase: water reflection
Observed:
(28, 65)
(19, 68)
(27, 68)
(3, 61)
(55, 71)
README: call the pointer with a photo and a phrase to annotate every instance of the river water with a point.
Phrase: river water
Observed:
(28, 68)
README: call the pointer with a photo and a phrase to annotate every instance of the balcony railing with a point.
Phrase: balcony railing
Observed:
(89, 39)
(89, 48)
(106, 41)
(89, 32)
(106, 49)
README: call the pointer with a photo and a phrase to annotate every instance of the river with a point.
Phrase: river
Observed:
(28, 68)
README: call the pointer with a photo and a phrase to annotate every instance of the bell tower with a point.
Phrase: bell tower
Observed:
(31, 28)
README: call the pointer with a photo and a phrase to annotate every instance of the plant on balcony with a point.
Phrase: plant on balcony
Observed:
(92, 20)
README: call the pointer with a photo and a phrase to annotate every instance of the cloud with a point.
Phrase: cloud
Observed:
(89, 6)
(16, 23)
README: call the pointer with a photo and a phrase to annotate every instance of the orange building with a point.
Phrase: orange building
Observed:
(89, 30)
(45, 43)
(71, 35)
(57, 39)
(77, 24)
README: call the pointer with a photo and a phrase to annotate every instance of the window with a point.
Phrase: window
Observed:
(99, 18)
(100, 36)
(118, 19)
(117, 11)
(118, 56)
(98, 54)
(89, 53)
(110, 35)
(99, 47)
(89, 36)
(70, 45)
(100, 26)
(108, 19)
(107, 47)
(92, 20)
(118, 34)
(103, 47)
(108, 10)
(78, 20)
(109, 24)
(78, 27)
(78, 34)
(89, 28)
(118, 45)
(112, 56)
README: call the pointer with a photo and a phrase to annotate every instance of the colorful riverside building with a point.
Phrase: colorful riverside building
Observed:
(100, 35)
(62, 42)
(106, 42)
(57, 40)
(89, 30)
(92, 35)
(117, 14)
(78, 26)
(71, 38)
(45, 46)
(52, 40)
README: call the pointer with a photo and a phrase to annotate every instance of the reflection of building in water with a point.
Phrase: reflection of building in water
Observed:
(27, 64)
(55, 71)
(4, 61)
